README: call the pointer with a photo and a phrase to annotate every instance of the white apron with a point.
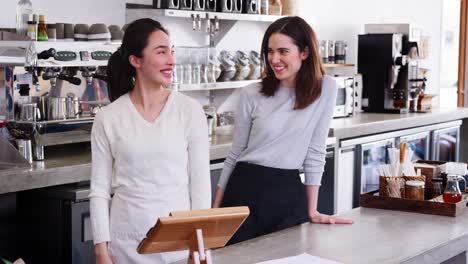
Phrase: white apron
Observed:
(133, 212)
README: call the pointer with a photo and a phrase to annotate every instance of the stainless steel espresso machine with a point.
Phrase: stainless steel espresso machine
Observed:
(388, 62)
(57, 89)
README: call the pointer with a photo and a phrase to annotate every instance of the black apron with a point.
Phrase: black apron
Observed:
(276, 199)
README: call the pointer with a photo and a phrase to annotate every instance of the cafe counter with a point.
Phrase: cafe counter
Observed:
(377, 236)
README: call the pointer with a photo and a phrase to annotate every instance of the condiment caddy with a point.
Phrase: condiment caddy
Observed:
(427, 194)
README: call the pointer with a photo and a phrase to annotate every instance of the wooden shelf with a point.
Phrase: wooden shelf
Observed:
(337, 65)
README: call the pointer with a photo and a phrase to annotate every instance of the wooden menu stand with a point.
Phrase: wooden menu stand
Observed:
(196, 230)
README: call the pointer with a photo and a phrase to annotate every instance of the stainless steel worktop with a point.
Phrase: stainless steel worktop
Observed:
(72, 163)
(68, 165)
(377, 236)
(373, 123)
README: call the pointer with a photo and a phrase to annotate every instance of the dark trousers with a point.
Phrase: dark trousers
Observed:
(276, 199)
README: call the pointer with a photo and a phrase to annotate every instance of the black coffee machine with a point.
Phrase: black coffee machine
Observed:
(384, 60)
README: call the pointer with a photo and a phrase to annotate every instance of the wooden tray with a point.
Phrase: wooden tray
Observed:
(370, 200)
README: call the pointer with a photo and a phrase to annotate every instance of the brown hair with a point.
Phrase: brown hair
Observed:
(121, 73)
(310, 75)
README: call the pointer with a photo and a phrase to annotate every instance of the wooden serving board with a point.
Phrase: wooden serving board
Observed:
(370, 200)
(177, 231)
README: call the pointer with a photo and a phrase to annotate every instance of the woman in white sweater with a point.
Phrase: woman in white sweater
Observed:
(149, 146)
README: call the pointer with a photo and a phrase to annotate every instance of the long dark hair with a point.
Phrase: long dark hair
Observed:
(309, 78)
(121, 73)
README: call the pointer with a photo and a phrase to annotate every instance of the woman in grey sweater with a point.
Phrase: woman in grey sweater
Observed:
(281, 125)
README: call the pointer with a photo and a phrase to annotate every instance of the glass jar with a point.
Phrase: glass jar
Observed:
(414, 190)
(32, 30)
(436, 187)
(23, 12)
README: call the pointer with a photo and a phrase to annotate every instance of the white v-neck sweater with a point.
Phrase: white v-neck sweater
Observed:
(169, 157)
(270, 133)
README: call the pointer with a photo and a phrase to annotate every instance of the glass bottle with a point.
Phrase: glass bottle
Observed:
(23, 12)
(42, 30)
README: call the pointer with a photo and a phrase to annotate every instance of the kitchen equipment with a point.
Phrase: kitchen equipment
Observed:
(225, 6)
(57, 108)
(43, 107)
(25, 149)
(394, 66)
(446, 144)
(59, 212)
(166, 4)
(30, 112)
(340, 51)
(73, 107)
(385, 73)
(347, 95)
(324, 50)
(452, 193)
(38, 152)
(331, 51)
(210, 123)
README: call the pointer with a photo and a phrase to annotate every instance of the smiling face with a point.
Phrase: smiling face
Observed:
(157, 61)
(285, 58)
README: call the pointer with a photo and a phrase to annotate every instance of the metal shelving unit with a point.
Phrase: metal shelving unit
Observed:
(215, 86)
(139, 11)
(337, 65)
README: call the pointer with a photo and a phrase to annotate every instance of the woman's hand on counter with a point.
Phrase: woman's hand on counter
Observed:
(102, 255)
(327, 219)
